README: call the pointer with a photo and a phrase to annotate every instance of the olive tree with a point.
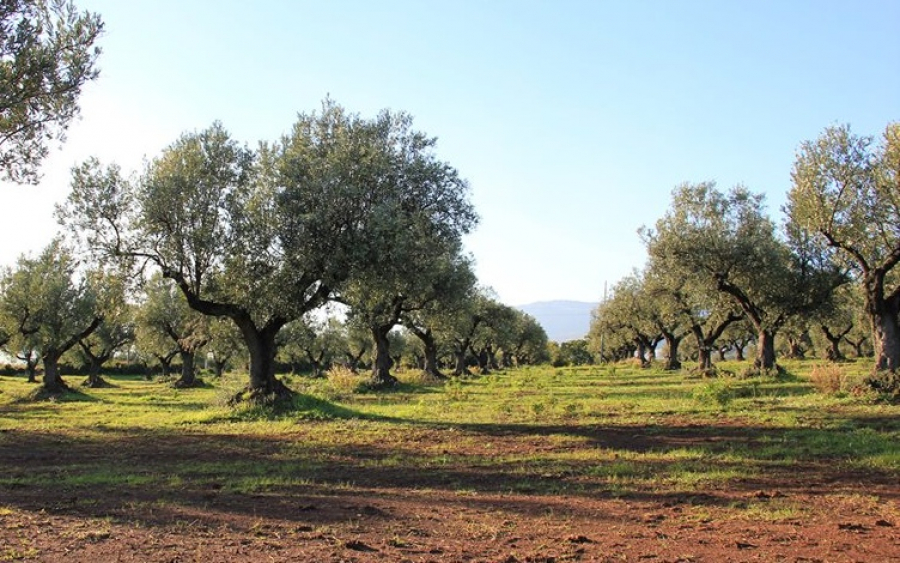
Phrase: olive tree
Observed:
(455, 286)
(116, 330)
(264, 237)
(225, 344)
(317, 342)
(47, 54)
(625, 319)
(166, 323)
(727, 240)
(846, 192)
(528, 344)
(52, 305)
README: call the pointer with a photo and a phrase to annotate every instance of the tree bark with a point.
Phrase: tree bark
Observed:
(381, 367)
(31, 361)
(165, 362)
(459, 354)
(642, 352)
(315, 362)
(886, 340)
(765, 350)
(95, 363)
(672, 343)
(857, 346)
(739, 350)
(188, 373)
(795, 347)
(883, 311)
(53, 382)
(833, 352)
(264, 386)
(492, 357)
(353, 360)
(481, 356)
(704, 358)
(431, 352)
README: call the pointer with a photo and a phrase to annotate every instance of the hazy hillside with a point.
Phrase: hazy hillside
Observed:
(563, 320)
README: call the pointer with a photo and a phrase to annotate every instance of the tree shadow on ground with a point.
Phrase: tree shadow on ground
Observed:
(150, 476)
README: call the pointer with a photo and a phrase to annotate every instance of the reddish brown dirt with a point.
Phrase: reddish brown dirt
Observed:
(350, 509)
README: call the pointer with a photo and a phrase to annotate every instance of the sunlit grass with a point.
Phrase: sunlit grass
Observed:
(537, 430)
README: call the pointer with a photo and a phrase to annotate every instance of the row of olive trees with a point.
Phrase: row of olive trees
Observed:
(478, 331)
(48, 310)
(716, 258)
(342, 209)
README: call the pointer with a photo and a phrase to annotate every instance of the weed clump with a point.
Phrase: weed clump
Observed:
(716, 393)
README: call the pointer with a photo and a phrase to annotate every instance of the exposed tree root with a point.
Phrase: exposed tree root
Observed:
(43, 393)
(277, 394)
(97, 383)
(194, 384)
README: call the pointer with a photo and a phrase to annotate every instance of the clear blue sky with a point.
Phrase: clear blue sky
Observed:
(572, 120)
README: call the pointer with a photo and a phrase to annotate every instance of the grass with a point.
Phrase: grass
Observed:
(593, 430)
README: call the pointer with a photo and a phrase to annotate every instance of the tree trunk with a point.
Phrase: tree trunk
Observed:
(833, 352)
(94, 381)
(459, 354)
(31, 368)
(315, 362)
(886, 341)
(481, 356)
(188, 374)
(264, 386)
(704, 358)
(381, 367)
(53, 382)
(642, 353)
(31, 360)
(672, 343)
(704, 350)
(219, 367)
(492, 357)
(95, 362)
(795, 348)
(857, 346)
(165, 363)
(765, 350)
(720, 351)
(883, 311)
(431, 354)
(739, 351)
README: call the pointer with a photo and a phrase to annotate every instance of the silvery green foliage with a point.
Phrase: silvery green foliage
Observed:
(47, 54)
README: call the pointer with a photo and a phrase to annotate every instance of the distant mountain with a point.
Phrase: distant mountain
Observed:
(563, 320)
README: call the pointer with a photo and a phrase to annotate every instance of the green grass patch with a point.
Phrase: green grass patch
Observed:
(539, 430)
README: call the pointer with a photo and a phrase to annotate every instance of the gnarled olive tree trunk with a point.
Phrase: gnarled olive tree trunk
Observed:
(262, 348)
(765, 350)
(381, 366)
(188, 373)
(429, 343)
(672, 343)
(833, 352)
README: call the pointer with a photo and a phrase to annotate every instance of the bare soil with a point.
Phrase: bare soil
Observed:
(465, 509)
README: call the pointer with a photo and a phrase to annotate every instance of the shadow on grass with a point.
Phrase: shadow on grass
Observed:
(301, 408)
(149, 477)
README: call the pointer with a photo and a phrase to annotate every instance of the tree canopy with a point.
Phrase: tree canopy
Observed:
(265, 236)
(47, 54)
(846, 192)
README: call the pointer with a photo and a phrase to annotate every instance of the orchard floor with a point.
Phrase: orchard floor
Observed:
(456, 512)
(541, 465)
